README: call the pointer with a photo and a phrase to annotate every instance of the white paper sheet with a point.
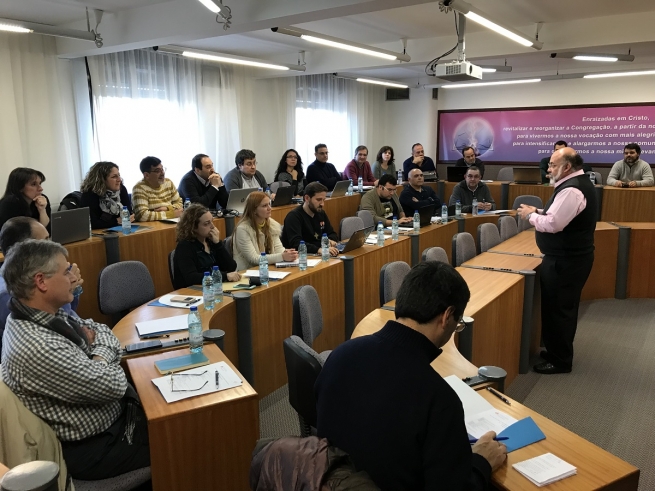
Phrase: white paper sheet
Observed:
(167, 324)
(285, 264)
(228, 379)
(492, 420)
(473, 402)
(273, 275)
(545, 469)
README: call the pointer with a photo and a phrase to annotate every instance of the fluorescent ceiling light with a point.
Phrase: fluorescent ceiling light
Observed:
(381, 82)
(488, 70)
(211, 5)
(13, 28)
(236, 61)
(620, 74)
(485, 84)
(595, 58)
(333, 42)
(498, 28)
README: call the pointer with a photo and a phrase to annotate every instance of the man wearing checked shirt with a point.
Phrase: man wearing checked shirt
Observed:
(66, 370)
(565, 235)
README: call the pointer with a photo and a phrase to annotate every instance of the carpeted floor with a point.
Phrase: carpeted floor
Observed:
(609, 398)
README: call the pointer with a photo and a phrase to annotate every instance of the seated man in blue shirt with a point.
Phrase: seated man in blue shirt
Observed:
(416, 195)
(321, 170)
(15, 230)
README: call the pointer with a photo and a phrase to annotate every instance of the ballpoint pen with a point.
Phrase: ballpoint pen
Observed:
(217, 378)
(154, 335)
(497, 439)
(192, 302)
(499, 396)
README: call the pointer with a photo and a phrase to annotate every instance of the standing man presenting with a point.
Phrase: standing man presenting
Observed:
(565, 235)
(469, 158)
(418, 160)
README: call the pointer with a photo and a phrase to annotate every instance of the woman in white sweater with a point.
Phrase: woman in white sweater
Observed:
(257, 232)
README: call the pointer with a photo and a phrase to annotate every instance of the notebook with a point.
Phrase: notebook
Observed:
(180, 363)
(340, 189)
(70, 225)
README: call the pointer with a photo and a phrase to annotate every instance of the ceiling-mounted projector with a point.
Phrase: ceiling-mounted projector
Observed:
(459, 71)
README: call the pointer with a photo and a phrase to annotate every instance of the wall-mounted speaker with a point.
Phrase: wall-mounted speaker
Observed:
(397, 94)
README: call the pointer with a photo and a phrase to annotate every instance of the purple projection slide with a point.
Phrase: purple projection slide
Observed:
(598, 134)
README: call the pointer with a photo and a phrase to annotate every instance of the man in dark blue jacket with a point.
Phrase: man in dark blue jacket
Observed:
(321, 170)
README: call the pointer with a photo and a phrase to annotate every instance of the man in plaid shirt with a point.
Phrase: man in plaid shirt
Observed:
(66, 370)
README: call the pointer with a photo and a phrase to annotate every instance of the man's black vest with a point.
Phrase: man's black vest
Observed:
(577, 238)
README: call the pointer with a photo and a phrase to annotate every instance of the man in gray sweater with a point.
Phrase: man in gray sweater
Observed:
(631, 172)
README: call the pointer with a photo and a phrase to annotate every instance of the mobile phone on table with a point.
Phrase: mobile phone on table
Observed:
(181, 299)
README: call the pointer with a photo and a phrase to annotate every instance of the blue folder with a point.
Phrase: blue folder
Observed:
(521, 434)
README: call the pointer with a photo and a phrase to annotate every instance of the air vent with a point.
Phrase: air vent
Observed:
(398, 94)
(435, 93)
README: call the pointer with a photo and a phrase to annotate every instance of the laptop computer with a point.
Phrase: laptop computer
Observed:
(236, 201)
(284, 195)
(340, 189)
(455, 173)
(70, 225)
(526, 175)
(430, 176)
(425, 213)
(357, 240)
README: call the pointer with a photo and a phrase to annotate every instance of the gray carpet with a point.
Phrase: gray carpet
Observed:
(609, 398)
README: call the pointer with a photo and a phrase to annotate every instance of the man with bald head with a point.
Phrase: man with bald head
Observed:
(565, 235)
(416, 195)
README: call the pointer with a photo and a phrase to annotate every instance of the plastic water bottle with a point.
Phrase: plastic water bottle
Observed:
(444, 213)
(195, 330)
(394, 229)
(474, 206)
(350, 188)
(268, 192)
(325, 248)
(208, 291)
(400, 177)
(592, 178)
(380, 234)
(417, 221)
(125, 221)
(458, 208)
(360, 184)
(187, 203)
(302, 256)
(260, 189)
(263, 269)
(217, 278)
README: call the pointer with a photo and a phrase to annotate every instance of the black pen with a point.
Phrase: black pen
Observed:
(154, 335)
(217, 378)
(499, 396)
(194, 301)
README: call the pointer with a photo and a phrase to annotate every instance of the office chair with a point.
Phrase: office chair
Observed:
(278, 184)
(308, 316)
(508, 227)
(463, 248)
(171, 266)
(435, 254)
(488, 236)
(505, 174)
(366, 217)
(391, 277)
(529, 200)
(350, 225)
(123, 286)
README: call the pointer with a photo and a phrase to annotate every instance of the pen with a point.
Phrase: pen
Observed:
(155, 335)
(499, 396)
(497, 439)
(217, 379)
(192, 302)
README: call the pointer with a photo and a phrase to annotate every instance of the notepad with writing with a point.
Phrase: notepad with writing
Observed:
(545, 469)
(180, 363)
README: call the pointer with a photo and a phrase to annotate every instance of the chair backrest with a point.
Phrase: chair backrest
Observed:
(391, 277)
(171, 266)
(463, 248)
(228, 245)
(303, 368)
(527, 199)
(278, 184)
(307, 314)
(508, 227)
(505, 174)
(435, 254)
(599, 176)
(488, 237)
(349, 226)
(71, 201)
(367, 218)
(523, 225)
(123, 286)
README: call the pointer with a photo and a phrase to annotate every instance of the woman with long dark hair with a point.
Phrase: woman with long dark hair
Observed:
(103, 192)
(290, 170)
(384, 163)
(24, 197)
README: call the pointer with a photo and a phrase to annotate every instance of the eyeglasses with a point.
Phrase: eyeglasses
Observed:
(471, 176)
(158, 171)
(391, 190)
(461, 325)
(250, 164)
(187, 382)
(292, 157)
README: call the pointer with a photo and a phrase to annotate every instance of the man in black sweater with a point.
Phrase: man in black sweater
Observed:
(469, 158)
(416, 195)
(321, 170)
(309, 222)
(202, 184)
(379, 400)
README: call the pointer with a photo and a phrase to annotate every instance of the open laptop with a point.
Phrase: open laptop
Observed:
(284, 195)
(430, 176)
(70, 225)
(426, 213)
(236, 201)
(455, 173)
(340, 189)
(357, 240)
(526, 175)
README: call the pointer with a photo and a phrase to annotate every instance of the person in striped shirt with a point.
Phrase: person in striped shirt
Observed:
(155, 197)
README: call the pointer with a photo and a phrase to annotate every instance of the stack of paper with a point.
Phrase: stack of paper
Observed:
(289, 264)
(545, 469)
(272, 275)
(202, 382)
(160, 326)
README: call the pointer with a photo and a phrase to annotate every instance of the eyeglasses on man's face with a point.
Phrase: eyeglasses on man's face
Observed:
(158, 170)
(461, 325)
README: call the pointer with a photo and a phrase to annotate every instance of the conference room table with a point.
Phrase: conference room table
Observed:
(597, 469)
(641, 259)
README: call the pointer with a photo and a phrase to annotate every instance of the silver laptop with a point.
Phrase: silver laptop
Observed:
(526, 175)
(70, 225)
(237, 199)
(340, 189)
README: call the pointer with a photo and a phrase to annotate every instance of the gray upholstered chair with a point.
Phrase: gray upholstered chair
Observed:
(303, 368)
(391, 277)
(505, 174)
(308, 317)
(527, 199)
(435, 254)
(124, 482)
(228, 245)
(366, 217)
(349, 226)
(123, 286)
(488, 237)
(598, 175)
(171, 266)
(463, 248)
(278, 184)
(508, 227)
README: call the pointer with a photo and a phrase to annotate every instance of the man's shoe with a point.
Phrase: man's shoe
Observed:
(548, 368)
(545, 355)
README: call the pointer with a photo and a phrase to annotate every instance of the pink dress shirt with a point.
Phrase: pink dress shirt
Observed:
(352, 171)
(567, 205)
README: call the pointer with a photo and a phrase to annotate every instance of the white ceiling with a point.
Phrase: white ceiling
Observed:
(590, 25)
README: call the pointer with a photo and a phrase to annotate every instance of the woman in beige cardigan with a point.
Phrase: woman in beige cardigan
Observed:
(257, 232)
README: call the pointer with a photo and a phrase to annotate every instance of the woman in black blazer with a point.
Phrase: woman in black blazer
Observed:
(24, 197)
(103, 192)
(199, 248)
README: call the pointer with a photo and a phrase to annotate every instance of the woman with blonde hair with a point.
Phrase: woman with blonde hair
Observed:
(199, 248)
(103, 192)
(257, 232)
